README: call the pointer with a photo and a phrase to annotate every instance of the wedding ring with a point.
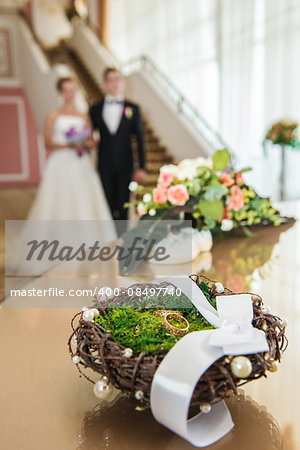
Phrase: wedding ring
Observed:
(163, 312)
(176, 331)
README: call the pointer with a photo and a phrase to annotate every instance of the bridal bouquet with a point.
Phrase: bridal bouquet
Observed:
(284, 132)
(210, 192)
(78, 136)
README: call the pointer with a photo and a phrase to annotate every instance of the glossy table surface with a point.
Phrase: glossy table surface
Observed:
(44, 404)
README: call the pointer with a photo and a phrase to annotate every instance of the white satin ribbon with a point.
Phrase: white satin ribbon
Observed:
(177, 376)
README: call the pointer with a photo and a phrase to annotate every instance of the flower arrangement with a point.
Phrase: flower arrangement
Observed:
(284, 132)
(210, 191)
(78, 136)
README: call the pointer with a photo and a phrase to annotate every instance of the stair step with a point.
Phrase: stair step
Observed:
(151, 179)
(157, 157)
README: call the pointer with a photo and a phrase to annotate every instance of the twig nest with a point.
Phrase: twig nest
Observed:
(130, 367)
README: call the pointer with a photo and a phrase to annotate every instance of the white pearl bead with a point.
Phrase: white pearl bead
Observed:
(241, 367)
(219, 288)
(88, 315)
(128, 352)
(147, 198)
(284, 322)
(205, 408)
(133, 186)
(102, 390)
(139, 395)
(274, 366)
(95, 311)
(84, 308)
(76, 359)
(74, 340)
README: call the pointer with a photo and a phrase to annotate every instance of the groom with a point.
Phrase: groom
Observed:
(117, 120)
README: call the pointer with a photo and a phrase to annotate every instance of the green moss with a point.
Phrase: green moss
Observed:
(136, 326)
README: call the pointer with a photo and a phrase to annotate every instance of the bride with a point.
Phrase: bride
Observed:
(70, 188)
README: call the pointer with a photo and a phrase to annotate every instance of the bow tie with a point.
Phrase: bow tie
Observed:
(116, 102)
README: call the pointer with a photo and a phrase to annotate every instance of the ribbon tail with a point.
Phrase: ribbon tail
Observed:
(173, 386)
(205, 429)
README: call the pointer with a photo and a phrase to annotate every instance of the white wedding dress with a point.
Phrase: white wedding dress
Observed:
(70, 207)
(70, 188)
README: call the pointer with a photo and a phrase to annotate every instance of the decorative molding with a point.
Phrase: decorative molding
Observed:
(23, 140)
(5, 57)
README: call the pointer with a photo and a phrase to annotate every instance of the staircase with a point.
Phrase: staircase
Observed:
(156, 154)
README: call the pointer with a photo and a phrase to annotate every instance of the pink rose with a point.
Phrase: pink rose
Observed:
(178, 195)
(165, 179)
(226, 179)
(238, 178)
(236, 201)
(160, 195)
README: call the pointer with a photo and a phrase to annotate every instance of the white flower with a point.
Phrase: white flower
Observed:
(141, 209)
(204, 162)
(187, 168)
(169, 168)
(226, 225)
(133, 186)
(152, 212)
(147, 198)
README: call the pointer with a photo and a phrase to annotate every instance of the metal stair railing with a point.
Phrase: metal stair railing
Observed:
(182, 104)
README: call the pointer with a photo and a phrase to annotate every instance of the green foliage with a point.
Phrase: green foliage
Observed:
(221, 159)
(194, 186)
(215, 190)
(212, 209)
(136, 326)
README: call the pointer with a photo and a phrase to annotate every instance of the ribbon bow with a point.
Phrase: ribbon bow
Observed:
(179, 372)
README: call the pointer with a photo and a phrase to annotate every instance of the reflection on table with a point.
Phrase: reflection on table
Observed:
(118, 426)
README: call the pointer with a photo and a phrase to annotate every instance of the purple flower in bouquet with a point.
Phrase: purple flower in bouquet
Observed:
(78, 136)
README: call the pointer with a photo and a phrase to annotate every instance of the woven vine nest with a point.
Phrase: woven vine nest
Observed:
(98, 351)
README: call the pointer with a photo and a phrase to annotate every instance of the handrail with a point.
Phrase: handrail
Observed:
(183, 105)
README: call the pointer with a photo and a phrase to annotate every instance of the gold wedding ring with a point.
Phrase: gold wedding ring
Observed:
(177, 315)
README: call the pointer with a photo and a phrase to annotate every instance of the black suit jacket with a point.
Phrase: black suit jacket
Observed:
(115, 150)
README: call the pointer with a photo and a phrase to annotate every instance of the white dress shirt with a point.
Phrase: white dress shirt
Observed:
(112, 112)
